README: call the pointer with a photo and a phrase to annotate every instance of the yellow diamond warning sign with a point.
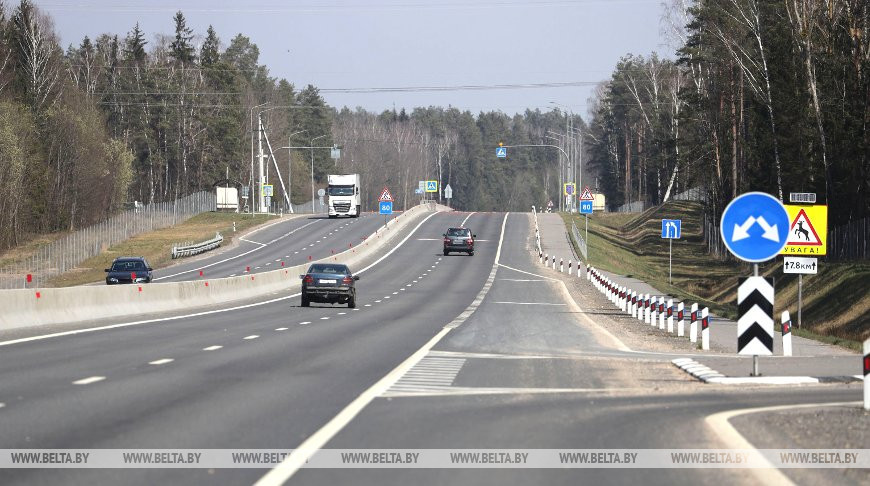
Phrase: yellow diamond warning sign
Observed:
(808, 231)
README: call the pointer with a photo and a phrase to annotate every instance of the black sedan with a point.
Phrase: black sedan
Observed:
(331, 283)
(127, 270)
(459, 239)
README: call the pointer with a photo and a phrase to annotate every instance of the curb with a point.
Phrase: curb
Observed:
(708, 375)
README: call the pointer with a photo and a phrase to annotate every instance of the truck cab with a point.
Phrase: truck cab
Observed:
(344, 195)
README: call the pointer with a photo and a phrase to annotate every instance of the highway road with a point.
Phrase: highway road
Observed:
(518, 365)
(291, 239)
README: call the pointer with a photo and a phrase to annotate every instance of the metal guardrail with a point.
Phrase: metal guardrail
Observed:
(197, 248)
(581, 243)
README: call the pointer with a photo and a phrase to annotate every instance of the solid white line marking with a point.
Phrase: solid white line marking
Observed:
(203, 313)
(527, 303)
(300, 455)
(466, 218)
(521, 280)
(161, 361)
(254, 242)
(84, 381)
(252, 336)
(281, 329)
(212, 348)
(304, 323)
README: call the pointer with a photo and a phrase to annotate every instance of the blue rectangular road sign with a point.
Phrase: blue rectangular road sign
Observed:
(671, 228)
(585, 207)
(386, 207)
(501, 152)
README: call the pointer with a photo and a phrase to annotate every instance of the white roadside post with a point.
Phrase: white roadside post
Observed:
(554, 262)
(622, 299)
(786, 334)
(866, 374)
(631, 307)
(546, 258)
(587, 272)
(705, 329)
(681, 321)
(570, 264)
(561, 266)
(654, 316)
(670, 316)
(645, 315)
(693, 327)
(662, 313)
(647, 312)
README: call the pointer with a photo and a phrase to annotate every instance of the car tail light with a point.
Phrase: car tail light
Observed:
(447, 240)
(469, 241)
(308, 279)
(347, 280)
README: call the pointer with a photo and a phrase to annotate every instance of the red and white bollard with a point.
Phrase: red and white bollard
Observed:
(662, 313)
(554, 262)
(693, 327)
(786, 334)
(561, 266)
(570, 267)
(867, 374)
(705, 329)
(681, 321)
(670, 316)
(654, 315)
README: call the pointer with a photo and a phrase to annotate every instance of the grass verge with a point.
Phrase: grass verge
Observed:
(836, 304)
(156, 246)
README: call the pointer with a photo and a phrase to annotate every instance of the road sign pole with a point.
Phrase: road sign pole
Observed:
(670, 257)
(800, 297)
(587, 239)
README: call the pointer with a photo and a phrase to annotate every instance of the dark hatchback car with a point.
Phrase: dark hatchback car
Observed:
(459, 239)
(330, 283)
(127, 270)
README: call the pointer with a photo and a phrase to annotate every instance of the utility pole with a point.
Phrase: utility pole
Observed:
(262, 177)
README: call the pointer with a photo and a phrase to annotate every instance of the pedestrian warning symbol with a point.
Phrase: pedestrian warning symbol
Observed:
(808, 231)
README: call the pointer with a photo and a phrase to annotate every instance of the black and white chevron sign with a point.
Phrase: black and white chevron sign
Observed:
(755, 316)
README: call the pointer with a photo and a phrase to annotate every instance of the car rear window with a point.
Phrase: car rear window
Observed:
(458, 232)
(128, 266)
(321, 268)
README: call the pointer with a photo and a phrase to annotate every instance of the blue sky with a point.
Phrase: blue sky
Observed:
(341, 44)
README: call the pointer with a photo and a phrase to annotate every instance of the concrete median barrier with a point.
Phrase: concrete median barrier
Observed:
(42, 306)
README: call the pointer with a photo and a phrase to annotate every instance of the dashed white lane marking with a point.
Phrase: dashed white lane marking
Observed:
(212, 348)
(395, 293)
(2, 404)
(252, 336)
(233, 275)
(302, 453)
(256, 268)
(281, 329)
(268, 264)
(415, 281)
(401, 289)
(278, 260)
(84, 381)
(377, 302)
(386, 296)
(324, 318)
(304, 323)
(295, 253)
(368, 305)
(527, 303)
(342, 313)
(161, 361)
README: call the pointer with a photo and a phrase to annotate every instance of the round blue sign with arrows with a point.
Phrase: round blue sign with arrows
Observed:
(755, 227)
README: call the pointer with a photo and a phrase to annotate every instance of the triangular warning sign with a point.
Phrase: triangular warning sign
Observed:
(801, 231)
(586, 195)
(386, 196)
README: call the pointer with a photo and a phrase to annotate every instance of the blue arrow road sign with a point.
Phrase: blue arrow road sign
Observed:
(755, 227)
(585, 207)
(501, 152)
(386, 207)
(671, 228)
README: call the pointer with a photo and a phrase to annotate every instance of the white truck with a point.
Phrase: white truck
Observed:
(344, 195)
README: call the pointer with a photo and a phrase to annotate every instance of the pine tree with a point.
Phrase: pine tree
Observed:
(134, 45)
(209, 53)
(181, 49)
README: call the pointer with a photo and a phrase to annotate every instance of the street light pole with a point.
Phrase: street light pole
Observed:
(312, 170)
(290, 167)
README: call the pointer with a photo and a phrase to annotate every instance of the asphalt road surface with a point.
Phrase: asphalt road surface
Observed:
(291, 240)
(526, 369)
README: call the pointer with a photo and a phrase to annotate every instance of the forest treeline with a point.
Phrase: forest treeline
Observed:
(761, 95)
(118, 118)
